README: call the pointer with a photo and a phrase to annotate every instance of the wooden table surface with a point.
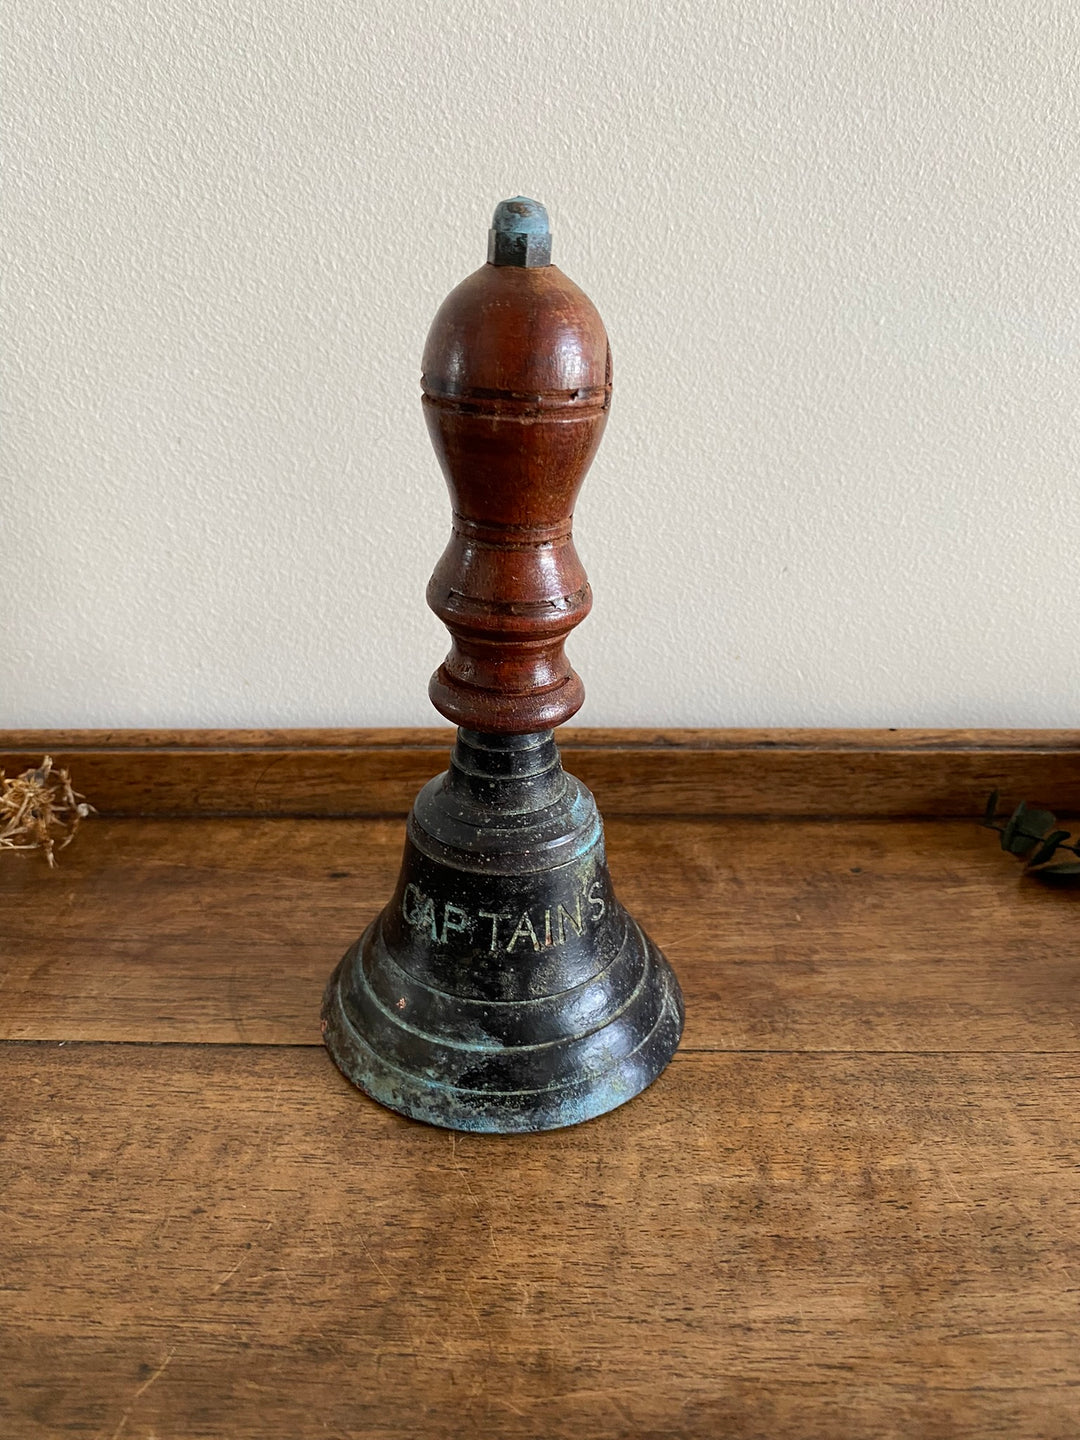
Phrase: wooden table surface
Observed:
(850, 1208)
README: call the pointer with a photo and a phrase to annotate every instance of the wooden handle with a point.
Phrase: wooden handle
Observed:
(517, 384)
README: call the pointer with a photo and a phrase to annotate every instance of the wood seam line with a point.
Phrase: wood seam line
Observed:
(24, 1042)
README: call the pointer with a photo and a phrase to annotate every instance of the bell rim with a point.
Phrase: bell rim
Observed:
(449, 1107)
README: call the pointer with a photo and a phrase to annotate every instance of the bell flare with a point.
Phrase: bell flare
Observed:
(504, 988)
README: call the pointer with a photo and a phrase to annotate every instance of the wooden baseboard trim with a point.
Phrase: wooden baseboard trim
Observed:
(867, 773)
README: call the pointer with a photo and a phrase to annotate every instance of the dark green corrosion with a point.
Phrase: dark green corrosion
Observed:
(504, 988)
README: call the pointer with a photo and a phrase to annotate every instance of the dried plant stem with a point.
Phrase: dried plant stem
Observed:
(40, 811)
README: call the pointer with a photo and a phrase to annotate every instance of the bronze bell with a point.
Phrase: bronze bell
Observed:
(504, 987)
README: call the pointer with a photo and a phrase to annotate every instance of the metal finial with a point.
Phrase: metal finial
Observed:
(519, 234)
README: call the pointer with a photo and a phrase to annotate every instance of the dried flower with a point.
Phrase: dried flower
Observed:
(38, 809)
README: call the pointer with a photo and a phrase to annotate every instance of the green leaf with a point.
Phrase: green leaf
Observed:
(1025, 829)
(1048, 846)
(1067, 872)
(991, 807)
(1038, 822)
(1008, 835)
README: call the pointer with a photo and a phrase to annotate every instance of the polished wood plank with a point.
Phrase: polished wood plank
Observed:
(815, 935)
(205, 1242)
(848, 1209)
(656, 772)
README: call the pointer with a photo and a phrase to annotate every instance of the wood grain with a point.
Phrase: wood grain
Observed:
(517, 386)
(632, 772)
(816, 935)
(205, 1242)
(851, 1207)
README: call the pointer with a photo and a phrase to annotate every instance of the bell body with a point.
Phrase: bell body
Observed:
(504, 987)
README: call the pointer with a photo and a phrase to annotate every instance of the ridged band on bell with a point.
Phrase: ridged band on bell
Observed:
(517, 384)
(504, 987)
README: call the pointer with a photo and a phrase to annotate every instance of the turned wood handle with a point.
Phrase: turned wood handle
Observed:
(517, 384)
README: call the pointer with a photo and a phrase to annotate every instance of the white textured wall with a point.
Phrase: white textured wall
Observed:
(836, 247)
